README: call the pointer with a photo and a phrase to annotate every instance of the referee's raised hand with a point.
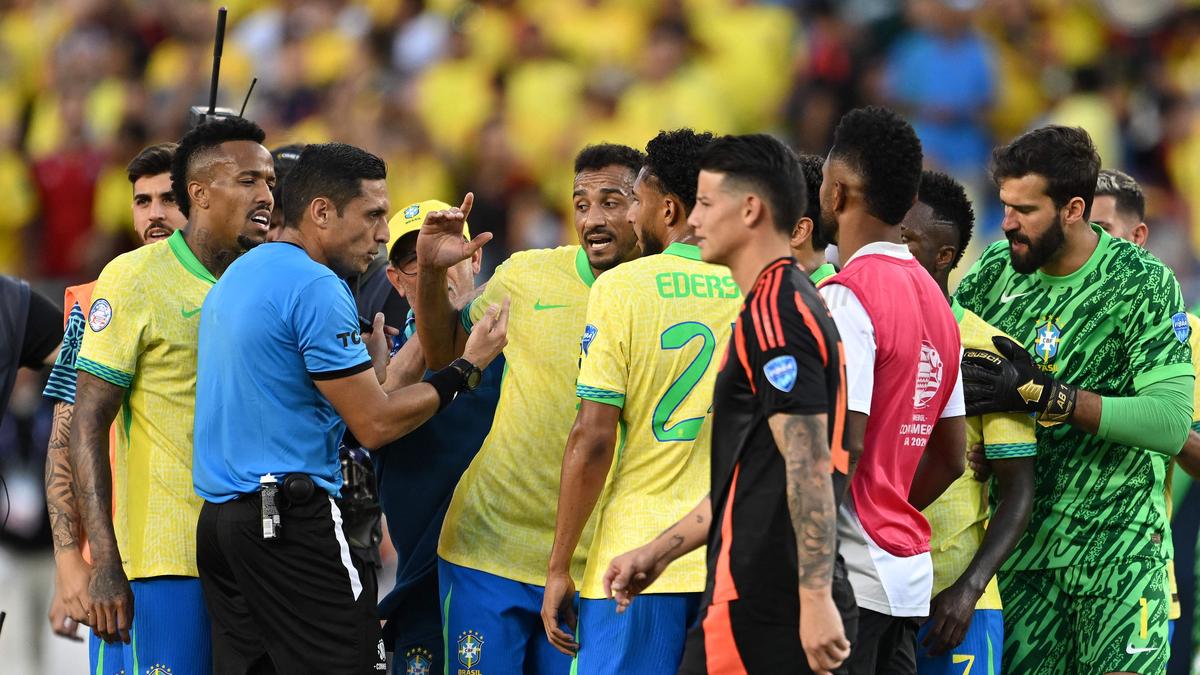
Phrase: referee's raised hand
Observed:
(441, 244)
(488, 337)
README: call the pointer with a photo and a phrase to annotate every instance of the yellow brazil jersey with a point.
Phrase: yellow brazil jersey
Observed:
(1194, 342)
(142, 333)
(656, 328)
(502, 515)
(957, 518)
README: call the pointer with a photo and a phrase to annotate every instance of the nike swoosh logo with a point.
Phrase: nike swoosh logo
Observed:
(1130, 649)
(1005, 298)
(186, 314)
(538, 306)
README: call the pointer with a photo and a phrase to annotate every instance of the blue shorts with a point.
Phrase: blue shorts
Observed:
(494, 625)
(171, 632)
(647, 639)
(979, 653)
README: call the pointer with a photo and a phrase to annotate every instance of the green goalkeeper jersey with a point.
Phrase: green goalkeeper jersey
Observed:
(1112, 327)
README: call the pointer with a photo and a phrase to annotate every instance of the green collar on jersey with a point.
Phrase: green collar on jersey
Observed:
(1092, 261)
(956, 309)
(823, 272)
(689, 251)
(584, 268)
(188, 259)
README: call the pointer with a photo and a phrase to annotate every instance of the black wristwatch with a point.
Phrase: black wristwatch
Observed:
(471, 375)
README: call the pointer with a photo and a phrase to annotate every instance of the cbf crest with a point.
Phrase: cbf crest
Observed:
(470, 649)
(1047, 336)
(418, 661)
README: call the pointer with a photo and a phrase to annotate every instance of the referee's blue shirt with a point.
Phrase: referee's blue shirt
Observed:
(272, 324)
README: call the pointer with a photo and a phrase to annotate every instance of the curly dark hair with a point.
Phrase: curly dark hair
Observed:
(151, 161)
(811, 166)
(950, 205)
(673, 159)
(201, 139)
(882, 148)
(333, 170)
(596, 157)
(767, 167)
(1064, 156)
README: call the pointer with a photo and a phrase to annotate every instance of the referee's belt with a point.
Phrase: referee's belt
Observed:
(295, 489)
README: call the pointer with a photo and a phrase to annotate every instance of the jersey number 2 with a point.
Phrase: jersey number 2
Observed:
(676, 337)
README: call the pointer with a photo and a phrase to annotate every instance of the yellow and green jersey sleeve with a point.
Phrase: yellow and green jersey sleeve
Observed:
(656, 328)
(957, 519)
(142, 333)
(509, 494)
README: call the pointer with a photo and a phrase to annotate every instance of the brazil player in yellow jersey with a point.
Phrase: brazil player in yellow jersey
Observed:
(655, 328)
(500, 523)
(808, 244)
(139, 356)
(965, 627)
(1120, 208)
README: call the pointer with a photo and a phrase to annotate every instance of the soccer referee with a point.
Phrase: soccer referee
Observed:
(283, 371)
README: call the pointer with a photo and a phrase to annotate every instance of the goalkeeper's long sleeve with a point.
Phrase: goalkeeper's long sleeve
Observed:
(1157, 418)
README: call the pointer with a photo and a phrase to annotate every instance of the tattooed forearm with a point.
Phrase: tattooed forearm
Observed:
(60, 493)
(96, 405)
(804, 444)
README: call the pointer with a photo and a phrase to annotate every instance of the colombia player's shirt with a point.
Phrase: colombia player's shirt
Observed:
(957, 518)
(502, 516)
(655, 330)
(1112, 327)
(143, 326)
(785, 358)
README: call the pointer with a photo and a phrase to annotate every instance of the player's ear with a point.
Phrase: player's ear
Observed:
(198, 193)
(1141, 232)
(670, 210)
(752, 209)
(801, 232)
(1073, 211)
(837, 195)
(945, 257)
(476, 261)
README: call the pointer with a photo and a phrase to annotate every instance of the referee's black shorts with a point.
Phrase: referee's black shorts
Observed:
(294, 604)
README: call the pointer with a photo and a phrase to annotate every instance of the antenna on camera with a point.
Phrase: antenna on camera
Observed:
(218, 46)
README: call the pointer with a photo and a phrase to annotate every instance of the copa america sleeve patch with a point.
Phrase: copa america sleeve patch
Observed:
(781, 372)
(1180, 323)
(101, 314)
(589, 334)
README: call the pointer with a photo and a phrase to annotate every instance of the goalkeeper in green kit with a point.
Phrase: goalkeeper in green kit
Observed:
(1103, 362)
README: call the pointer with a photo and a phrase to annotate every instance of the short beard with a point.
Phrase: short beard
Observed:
(1041, 251)
(828, 226)
(246, 243)
(651, 245)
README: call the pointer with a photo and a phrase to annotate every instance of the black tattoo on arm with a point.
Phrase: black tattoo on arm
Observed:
(60, 493)
(804, 444)
(96, 405)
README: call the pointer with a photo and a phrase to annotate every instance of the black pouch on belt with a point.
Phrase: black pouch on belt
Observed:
(298, 488)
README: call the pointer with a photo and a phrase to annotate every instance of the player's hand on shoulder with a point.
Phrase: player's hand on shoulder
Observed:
(488, 337)
(441, 243)
(821, 632)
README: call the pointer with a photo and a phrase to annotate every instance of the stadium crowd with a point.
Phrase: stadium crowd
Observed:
(580, 467)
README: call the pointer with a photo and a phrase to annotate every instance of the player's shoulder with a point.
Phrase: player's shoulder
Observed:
(1135, 261)
(127, 266)
(539, 257)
